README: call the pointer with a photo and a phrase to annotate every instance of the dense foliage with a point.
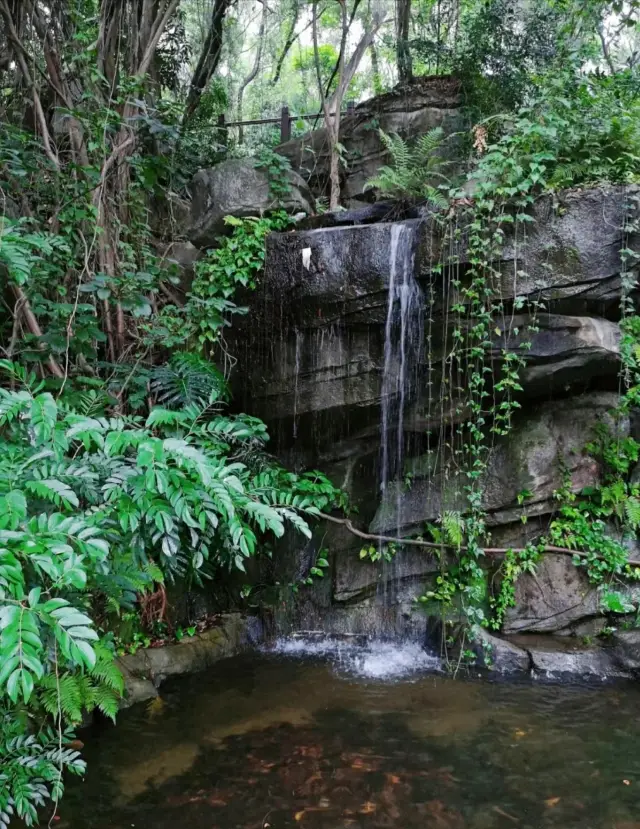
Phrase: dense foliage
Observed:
(121, 466)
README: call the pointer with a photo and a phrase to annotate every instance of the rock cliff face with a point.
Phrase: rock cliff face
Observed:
(410, 110)
(346, 354)
(316, 366)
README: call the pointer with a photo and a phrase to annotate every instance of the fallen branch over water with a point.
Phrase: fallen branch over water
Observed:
(434, 545)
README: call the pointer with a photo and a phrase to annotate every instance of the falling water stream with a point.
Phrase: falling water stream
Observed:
(403, 335)
(299, 346)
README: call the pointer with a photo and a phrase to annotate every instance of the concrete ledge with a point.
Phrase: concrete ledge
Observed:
(145, 670)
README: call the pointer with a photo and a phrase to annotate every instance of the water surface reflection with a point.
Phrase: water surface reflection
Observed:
(266, 741)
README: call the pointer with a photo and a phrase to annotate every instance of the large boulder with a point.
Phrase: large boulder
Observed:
(410, 110)
(498, 654)
(315, 342)
(569, 255)
(573, 246)
(562, 351)
(559, 598)
(553, 597)
(238, 188)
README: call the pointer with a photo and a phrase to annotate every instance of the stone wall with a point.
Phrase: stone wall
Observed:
(145, 670)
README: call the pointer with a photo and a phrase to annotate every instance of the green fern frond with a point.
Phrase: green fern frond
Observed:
(453, 526)
(414, 169)
(632, 512)
(187, 378)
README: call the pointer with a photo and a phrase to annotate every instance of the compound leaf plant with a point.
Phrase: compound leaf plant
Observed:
(93, 510)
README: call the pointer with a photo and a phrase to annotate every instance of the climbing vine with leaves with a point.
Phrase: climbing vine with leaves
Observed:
(579, 131)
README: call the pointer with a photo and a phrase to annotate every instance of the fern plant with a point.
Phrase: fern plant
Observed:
(417, 169)
(187, 378)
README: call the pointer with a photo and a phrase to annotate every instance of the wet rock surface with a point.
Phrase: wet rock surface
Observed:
(316, 366)
(544, 446)
(558, 657)
(626, 650)
(498, 654)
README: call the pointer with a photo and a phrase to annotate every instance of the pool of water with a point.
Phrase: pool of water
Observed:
(272, 741)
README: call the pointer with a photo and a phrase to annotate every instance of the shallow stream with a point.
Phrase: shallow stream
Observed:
(286, 740)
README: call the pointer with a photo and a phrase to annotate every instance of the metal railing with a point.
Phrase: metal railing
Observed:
(285, 120)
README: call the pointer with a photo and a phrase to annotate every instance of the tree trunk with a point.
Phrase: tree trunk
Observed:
(403, 53)
(288, 43)
(331, 120)
(254, 70)
(332, 106)
(209, 58)
(375, 66)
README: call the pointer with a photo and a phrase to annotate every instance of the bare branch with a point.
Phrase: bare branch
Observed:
(21, 58)
(254, 69)
(605, 49)
(288, 43)
(434, 545)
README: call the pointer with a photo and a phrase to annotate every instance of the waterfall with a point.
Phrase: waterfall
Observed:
(323, 619)
(403, 336)
(299, 345)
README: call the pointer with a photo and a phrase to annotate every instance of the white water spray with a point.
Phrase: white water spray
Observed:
(372, 659)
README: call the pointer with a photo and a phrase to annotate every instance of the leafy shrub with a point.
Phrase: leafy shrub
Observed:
(95, 509)
(579, 130)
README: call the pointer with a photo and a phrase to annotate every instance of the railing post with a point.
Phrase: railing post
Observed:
(223, 132)
(285, 125)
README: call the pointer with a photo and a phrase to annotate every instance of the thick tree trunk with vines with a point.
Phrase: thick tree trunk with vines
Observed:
(129, 34)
